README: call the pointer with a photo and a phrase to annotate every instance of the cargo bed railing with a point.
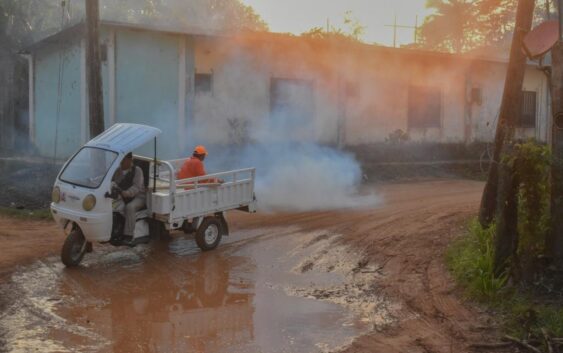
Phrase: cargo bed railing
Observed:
(232, 176)
(174, 200)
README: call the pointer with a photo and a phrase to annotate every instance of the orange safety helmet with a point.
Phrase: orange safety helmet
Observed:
(200, 150)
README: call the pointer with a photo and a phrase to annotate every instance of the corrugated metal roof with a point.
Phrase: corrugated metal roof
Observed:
(124, 137)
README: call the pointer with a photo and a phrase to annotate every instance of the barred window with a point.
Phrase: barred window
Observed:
(528, 109)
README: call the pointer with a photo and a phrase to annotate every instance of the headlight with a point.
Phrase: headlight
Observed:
(56, 195)
(89, 202)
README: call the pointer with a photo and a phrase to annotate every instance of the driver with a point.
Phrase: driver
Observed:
(129, 182)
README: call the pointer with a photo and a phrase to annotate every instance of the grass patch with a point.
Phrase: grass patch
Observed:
(40, 214)
(522, 310)
(471, 260)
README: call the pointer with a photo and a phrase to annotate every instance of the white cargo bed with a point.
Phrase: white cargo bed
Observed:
(173, 201)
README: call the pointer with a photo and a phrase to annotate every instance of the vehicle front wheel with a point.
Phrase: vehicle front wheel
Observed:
(74, 248)
(209, 234)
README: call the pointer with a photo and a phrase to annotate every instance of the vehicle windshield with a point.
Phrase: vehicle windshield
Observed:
(88, 167)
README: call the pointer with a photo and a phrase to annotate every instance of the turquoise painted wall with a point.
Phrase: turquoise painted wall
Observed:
(104, 39)
(57, 135)
(146, 90)
(147, 85)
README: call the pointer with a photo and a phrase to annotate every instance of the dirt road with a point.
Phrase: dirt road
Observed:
(355, 281)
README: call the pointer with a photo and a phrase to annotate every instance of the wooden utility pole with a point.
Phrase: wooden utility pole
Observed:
(93, 69)
(554, 242)
(506, 241)
(509, 109)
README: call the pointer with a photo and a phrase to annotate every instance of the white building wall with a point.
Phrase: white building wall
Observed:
(377, 107)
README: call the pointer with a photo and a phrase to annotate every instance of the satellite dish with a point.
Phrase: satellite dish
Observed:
(541, 39)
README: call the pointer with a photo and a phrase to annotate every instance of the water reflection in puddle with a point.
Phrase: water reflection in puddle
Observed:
(170, 297)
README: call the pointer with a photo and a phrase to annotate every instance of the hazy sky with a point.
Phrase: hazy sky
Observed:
(297, 16)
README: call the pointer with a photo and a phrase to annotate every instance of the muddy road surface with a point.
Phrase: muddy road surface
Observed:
(350, 280)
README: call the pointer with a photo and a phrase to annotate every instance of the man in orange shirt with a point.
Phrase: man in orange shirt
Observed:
(193, 166)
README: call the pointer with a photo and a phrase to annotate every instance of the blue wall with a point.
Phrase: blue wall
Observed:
(146, 90)
(147, 85)
(57, 133)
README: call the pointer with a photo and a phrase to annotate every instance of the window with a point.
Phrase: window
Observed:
(104, 52)
(425, 107)
(528, 110)
(203, 83)
(88, 167)
(292, 108)
(292, 98)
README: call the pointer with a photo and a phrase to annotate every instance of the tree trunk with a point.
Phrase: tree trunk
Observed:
(93, 69)
(509, 109)
(554, 241)
(506, 241)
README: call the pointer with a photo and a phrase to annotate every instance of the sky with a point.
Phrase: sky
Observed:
(298, 16)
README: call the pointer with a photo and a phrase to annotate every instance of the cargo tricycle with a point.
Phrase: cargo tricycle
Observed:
(84, 204)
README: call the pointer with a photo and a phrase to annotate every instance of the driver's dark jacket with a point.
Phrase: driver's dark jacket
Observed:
(137, 188)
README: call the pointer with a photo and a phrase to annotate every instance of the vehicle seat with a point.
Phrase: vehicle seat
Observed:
(145, 168)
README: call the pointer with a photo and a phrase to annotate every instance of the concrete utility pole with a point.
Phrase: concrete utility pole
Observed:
(509, 109)
(554, 243)
(93, 69)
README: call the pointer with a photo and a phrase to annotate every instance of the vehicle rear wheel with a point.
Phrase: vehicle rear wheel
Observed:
(209, 234)
(74, 248)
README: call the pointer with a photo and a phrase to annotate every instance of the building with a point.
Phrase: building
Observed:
(201, 87)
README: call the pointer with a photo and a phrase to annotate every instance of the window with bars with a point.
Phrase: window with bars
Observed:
(528, 109)
(424, 107)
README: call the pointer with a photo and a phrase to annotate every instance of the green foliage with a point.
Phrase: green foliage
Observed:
(531, 163)
(397, 136)
(26, 214)
(25, 21)
(239, 132)
(449, 27)
(526, 318)
(471, 260)
(464, 25)
(352, 30)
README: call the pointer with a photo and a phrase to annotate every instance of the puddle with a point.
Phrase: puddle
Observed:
(170, 297)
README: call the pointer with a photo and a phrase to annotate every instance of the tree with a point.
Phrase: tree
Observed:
(501, 188)
(211, 15)
(464, 25)
(26, 21)
(352, 29)
(451, 28)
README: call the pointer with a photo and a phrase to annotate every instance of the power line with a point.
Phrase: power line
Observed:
(396, 26)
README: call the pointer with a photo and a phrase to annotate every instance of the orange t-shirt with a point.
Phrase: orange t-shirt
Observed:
(193, 167)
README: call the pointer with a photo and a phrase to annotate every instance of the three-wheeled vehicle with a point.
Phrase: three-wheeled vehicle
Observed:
(83, 202)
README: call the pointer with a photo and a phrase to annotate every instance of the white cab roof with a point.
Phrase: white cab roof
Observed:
(124, 137)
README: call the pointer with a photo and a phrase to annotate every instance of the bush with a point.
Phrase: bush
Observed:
(531, 163)
(524, 314)
(471, 260)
